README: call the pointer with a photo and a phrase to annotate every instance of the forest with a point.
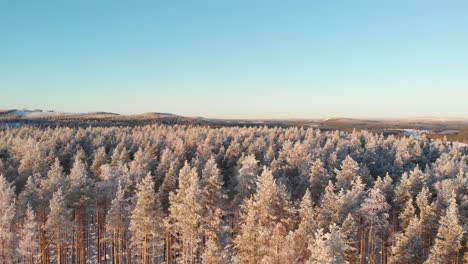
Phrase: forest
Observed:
(194, 194)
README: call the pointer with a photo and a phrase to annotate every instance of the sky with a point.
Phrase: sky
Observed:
(236, 59)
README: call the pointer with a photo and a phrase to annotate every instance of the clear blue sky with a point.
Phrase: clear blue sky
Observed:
(254, 59)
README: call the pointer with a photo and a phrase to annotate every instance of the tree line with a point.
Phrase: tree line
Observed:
(193, 194)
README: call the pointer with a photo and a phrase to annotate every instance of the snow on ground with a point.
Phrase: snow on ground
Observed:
(416, 133)
(31, 114)
(37, 113)
(459, 144)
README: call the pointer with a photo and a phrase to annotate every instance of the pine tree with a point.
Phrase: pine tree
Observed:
(276, 250)
(308, 222)
(185, 213)
(329, 247)
(55, 180)
(348, 171)
(267, 207)
(212, 200)
(7, 214)
(306, 229)
(409, 245)
(350, 229)
(246, 177)
(403, 192)
(79, 185)
(145, 221)
(247, 242)
(79, 197)
(167, 161)
(58, 225)
(407, 214)
(428, 218)
(330, 206)
(318, 179)
(449, 236)
(28, 243)
(29, 196)
(212, 253)
(117, 223)
(320, 252)
(168, 185)
(351, 200)
(139, 167)
(100, 159)
(374, 210)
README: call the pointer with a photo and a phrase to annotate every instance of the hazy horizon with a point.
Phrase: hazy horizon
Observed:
(256, 60)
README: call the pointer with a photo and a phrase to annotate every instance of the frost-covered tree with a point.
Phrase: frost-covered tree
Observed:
(97, 172)
(374, 211)
(212, 200)
(117, 222)
(408, 245)
(347, 173)
(212, 252)
(100, 158)
(28, 237)
(449, 236)
(306, 229)
(407, 214)
(428, 218)
(330, 206)
(7, 214)
(55, 179)
(168, 185)
(318, 179)
(58, 225)
(267, 207)
(145, 220)
(185, 211)
(29, 196)
(79, 197)
(328, 247)
(246, 177)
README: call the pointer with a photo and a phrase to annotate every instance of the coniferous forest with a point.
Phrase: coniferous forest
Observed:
(194, 194)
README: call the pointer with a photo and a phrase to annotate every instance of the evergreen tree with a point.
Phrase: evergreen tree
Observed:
(55, 180)
(347, 173)
(267, 207)
(185, 211)
(7, 214)
(30, 196)
(408, 245)
(79, 197)
(428, 218)
(117, 223)
(407, 214)
(374, 210)
(330, 206)
(318, 179)
(212, 253)
(168, 185)
(246, 177)
(100, 158)
(145, 221)
(449, 236)
(329, 247)
(58, 225)
(212, 200)
(306, 229)
(350, 229)
(28, 237)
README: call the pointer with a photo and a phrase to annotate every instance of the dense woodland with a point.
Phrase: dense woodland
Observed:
(192, 194)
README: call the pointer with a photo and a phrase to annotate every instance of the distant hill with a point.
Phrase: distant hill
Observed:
(454, 130)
